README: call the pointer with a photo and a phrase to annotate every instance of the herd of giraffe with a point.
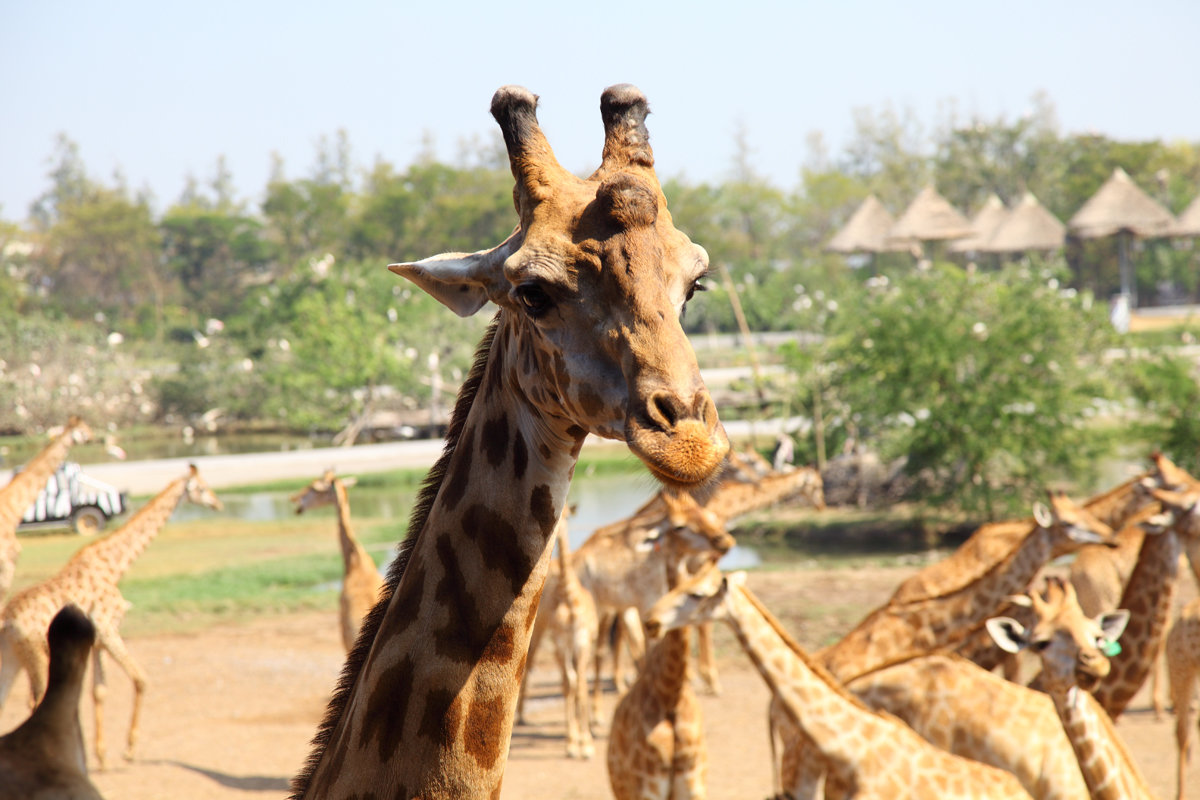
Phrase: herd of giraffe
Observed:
(590, 288)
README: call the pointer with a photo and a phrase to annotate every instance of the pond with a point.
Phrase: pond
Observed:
(599, 500)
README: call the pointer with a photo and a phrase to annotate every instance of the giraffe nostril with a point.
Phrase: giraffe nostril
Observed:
(664, 410)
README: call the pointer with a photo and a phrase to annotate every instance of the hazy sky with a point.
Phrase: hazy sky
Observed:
(158, 90)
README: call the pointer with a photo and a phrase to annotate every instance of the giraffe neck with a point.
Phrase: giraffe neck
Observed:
(1116, 506)
(426, 703)
(734, 499)
(24, 486)
(894, 632)
(353, 554)
(840, 726)
(1107, 767)
(1148, 596)
(116, 552)
(667, 662)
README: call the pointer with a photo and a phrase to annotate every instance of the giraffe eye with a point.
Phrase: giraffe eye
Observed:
(1040, 645)
(534, 299)
(697, 286)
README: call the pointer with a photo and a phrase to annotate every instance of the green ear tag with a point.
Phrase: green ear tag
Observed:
(1111, 649)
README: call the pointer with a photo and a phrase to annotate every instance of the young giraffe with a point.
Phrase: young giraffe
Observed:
(20, 492)
(1073, 649)
(587, 340)
(868, 755)
(89, 580)
(571, 615)
(656, 746)
(44, 758)
(1183, 668)
(360, 577)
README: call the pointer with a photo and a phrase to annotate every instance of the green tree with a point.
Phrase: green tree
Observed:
(983, 382)
(1168, 388)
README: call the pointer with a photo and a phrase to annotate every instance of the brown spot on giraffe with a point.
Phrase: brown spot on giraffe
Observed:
(494, 440)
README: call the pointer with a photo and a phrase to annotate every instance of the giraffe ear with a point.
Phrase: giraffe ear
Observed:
(1043, 515)
(463, 282)
(1009, 635)
(1113, 623)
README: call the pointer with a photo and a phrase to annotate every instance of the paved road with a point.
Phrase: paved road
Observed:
(225, 471)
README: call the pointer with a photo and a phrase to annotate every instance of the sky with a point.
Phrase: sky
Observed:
(158, 91)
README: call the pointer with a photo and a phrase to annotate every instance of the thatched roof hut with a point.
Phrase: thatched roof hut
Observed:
(983, 225)
(1029, 226)
(1120, 206)
(930, 217)
(866, 231)
(1188, 221)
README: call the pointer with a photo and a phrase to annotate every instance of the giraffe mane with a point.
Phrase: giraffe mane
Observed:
(357, 656)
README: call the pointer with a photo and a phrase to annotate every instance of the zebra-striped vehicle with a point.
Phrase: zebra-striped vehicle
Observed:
(72, 499)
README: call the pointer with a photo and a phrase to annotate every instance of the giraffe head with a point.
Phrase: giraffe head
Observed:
(1073, 647)
(699, 599)
(78, 430)
(197, 491)
(1180, 511)
(320, 492)
(1070, 525)
(591, 285)
(1168, 475)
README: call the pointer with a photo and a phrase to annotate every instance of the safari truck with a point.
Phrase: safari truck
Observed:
(72, 499)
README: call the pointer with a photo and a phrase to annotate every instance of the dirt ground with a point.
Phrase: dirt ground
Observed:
(229, 712)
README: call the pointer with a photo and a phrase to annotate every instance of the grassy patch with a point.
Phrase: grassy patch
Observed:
(202, 573)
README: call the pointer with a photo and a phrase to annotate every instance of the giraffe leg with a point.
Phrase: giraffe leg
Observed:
(115, 645)
(99, 693)
(629, 625)
(708, 658)
(603, 629)
(579, 713)
(1183, 671)
(1157, 682)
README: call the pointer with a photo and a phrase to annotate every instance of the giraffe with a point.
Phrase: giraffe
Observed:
(44, 758)
(1074, 649)
(656, 746)
(590, 287)
(973, 713)
(360, 576)
(868, 754)
(89, 580)
(1183, 668)
(1149, 597)
(20, 492)
(568, 614)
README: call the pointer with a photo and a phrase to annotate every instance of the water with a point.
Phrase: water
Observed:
(599, 500)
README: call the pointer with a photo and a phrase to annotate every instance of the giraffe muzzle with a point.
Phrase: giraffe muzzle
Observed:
(682, 444)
